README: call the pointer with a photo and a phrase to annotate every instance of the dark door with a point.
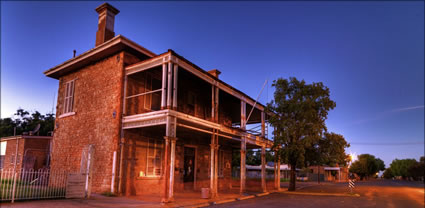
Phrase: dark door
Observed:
(189, 167)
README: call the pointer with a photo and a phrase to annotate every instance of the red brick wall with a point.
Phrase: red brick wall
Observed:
(10, 153)
(38, 148)
(135, 161)
(97, 98)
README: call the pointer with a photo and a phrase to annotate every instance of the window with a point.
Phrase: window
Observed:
(2, 153)
(12, 159)
(69, 97)
(152, 100)
(191, 103)
(154, 158)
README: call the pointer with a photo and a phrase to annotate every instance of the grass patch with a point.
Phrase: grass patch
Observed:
(30, 191)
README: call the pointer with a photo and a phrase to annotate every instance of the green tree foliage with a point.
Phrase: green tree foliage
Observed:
(401, 167)
(417, 171)
(388, 174)
(329, 150)
(380, 164)
(299, 113)
(367, 165)
(25, 121)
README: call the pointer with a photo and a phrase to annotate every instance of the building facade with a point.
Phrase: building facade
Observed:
(30, 152)
(152, 124)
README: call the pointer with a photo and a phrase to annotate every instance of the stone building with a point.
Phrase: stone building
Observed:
(32, 152)
(155, 123)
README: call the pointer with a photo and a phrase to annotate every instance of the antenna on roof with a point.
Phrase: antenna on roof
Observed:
(35, 130)
(249, 115)
(53, 103)
(74, 53)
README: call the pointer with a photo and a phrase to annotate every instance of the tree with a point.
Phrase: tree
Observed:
(380, 164)
(25, 121)
(299, 111)
(401, 167)
(388, 174)
(367, 165)
(329, 150)
(417, 171)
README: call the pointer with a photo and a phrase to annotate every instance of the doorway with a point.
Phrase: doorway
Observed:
(189, 167)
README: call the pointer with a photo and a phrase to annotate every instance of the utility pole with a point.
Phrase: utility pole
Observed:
(14, 165)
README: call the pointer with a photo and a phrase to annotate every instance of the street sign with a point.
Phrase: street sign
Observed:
(351, 184)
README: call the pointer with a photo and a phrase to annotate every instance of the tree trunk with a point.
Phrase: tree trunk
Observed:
(318, 174)
(292, 179)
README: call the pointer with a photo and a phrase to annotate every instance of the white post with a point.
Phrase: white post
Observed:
(175, 87)
(169, 85)
(339, 175)
(243, 115)
(212, 103)
(216, 100)
(114, 159)
(164, 83)
(263, 124)
(173, 156)
(263, 169)
(14, 165)
(243, 165)
(89, 157)
(212, 166)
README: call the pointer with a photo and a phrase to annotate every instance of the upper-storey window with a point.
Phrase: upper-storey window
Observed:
(152, 100)
(69, 97)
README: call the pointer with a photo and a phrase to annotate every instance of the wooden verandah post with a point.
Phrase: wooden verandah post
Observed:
(263, 169)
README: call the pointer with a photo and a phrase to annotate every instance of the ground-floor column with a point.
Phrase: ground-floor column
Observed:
(213, 164)
(169, 158)
(172, 165)
(339, 175)
(277, 179)
(166, 169)
(216, 170)
(242, 166)
(263, 169)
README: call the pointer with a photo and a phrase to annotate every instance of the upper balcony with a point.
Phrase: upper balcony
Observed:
(169, 81)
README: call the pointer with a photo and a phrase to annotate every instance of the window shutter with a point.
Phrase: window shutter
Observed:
(65, 108)
(71, 97)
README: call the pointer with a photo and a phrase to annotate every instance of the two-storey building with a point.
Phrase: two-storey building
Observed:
(154, 123)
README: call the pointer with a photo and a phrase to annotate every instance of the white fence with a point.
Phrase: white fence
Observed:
(32, 184)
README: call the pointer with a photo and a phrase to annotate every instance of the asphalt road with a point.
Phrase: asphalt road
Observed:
(382, 193)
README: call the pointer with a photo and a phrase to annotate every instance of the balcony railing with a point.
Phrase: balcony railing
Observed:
(143, 102)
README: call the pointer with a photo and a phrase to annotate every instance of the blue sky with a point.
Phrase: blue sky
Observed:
(370, 55)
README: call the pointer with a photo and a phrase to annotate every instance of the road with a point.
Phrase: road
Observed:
(388, 194)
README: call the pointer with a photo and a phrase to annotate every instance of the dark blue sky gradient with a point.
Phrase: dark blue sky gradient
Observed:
(370, 55)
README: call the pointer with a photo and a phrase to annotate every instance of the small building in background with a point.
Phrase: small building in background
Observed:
(254, 171)
(33, 152)
(333, 174)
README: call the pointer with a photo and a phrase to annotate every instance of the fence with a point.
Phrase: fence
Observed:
(26, 184)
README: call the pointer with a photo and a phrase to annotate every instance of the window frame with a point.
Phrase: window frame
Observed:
(148, 82)
(68, 105)
(157, 148)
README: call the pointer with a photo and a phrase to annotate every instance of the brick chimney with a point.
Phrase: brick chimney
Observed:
(105, 29)
(214, 72)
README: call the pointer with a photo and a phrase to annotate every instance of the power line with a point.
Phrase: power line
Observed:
(387, 143)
